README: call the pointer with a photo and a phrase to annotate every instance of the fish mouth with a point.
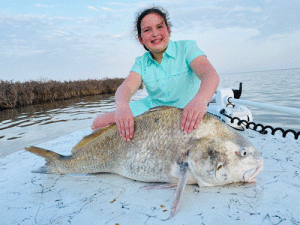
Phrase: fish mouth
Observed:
(250, 175)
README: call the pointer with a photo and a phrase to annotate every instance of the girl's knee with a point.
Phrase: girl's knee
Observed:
(103, 120)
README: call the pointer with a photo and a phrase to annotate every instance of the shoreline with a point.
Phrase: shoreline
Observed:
(19, 94)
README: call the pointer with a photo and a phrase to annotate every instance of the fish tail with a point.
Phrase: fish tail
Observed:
(49, 156)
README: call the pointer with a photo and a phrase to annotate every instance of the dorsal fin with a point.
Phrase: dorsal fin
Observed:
(85, 140)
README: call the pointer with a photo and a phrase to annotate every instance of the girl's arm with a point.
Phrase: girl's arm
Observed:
(123, 115)
(196, 108)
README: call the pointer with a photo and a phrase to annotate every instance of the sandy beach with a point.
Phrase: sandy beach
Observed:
(30, 198)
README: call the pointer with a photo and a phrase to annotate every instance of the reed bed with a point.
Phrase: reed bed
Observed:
(18, 94)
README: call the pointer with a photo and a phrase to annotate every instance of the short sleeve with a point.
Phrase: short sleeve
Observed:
(192, 51)
(137, 67)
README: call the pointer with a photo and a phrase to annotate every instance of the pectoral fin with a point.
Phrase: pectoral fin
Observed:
(183, 175)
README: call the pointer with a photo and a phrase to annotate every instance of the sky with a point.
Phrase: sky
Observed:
(95, 39)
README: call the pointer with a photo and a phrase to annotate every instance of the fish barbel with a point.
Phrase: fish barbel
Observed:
(213, 154)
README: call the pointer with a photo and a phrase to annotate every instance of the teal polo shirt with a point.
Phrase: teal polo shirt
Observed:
(170, 83)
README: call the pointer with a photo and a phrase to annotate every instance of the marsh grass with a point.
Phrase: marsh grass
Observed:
(18, 94)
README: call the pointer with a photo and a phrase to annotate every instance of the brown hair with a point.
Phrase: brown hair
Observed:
(158, 10)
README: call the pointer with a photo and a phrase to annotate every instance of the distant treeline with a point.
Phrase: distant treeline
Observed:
(18, 94)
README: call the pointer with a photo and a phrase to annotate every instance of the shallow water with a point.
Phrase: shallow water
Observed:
(36, 124)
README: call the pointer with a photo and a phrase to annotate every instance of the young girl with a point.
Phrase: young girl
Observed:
(171, 72)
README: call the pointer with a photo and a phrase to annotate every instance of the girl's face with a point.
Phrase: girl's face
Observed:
(154, 33)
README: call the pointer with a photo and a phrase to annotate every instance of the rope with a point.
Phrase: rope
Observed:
(263, 129)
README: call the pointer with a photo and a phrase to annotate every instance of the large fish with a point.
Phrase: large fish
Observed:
(213, 154)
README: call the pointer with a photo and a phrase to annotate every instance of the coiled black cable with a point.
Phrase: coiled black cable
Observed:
(263, 130)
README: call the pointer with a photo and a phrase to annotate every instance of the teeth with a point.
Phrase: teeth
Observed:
(155, 41)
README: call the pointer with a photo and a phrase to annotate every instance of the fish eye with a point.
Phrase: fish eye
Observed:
(243, 152)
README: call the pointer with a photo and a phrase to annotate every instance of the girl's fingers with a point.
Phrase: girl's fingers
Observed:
(131, 127)
(122, 127)
(127, 131)
(183, 119)
(188, 122)
(192, 123)
(126, 128)
(198, 121)
(192, 117)
(119, 127)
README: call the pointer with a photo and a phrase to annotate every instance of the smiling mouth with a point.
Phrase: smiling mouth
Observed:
(156, 41)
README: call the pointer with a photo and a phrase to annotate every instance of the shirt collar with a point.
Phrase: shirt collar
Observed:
(171, 51)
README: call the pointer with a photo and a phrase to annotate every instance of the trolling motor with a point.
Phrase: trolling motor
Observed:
(220, 107)
(237, 93)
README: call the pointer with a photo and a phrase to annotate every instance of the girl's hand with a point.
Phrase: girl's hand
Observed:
(125, 122)
(192, 115)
